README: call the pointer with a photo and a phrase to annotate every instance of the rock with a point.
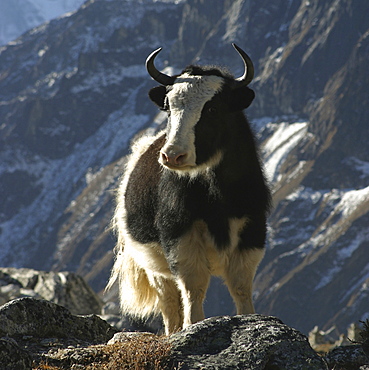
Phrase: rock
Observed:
(324, 341)
(6, 279)
(64, 288)
(354, 332)
(111, 308)
(364, 337)
(33, 329)
(317, 337)
(8, 287)
(43, 319)
(35, 332)
(122, 337)
(243, 342)
(347, 357)
(12, 357)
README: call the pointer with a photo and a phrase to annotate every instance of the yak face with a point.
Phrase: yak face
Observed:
(199, 108)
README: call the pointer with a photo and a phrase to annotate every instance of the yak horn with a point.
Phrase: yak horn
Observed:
(165, 80)
(162, 78)
(248, 75)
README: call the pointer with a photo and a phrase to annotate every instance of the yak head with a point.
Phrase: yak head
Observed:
(201, 104)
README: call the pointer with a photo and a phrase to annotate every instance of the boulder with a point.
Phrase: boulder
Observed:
(43, 319)
(12, 357)
(253, 342)
(64, 288)
(347, 358)
(31, 329)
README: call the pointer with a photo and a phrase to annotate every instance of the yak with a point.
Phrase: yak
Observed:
(193, 200)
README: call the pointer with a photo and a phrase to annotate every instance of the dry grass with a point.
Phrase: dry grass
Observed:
(147, 352)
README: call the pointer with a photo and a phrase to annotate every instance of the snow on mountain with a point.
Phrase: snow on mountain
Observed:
(19, 16)
(284, 138)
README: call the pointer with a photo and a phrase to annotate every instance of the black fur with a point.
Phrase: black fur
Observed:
(161, 206)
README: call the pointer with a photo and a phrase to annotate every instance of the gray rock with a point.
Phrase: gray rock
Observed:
(122, 337)
(253, 342)
(6, 279)
(12, 357)
(64, 288)
(43, 319)
(111, 308)
(347, 357)
(37, 330)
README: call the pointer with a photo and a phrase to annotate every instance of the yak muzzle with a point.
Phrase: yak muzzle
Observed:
(176, 158)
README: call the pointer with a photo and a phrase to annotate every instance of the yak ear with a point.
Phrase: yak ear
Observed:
(157, 95)
(241, 98)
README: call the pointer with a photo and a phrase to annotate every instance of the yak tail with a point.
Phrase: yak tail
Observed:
(137, 297)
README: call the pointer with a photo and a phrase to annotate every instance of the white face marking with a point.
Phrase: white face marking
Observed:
(186, 101)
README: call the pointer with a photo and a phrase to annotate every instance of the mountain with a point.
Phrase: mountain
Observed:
(73, 94)
(19, 16)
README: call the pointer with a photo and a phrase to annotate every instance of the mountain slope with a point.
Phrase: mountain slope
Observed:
(319, 235)
(69, 108)
(73, 95)
(19, 16)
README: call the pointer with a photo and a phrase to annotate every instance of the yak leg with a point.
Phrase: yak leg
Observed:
(193, 285)
(193, 274)
(170, 303)
(239, 276)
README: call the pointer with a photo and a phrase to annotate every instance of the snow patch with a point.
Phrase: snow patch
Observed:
(285, 137)
(105, 78)
(351, 200)
(304, 193)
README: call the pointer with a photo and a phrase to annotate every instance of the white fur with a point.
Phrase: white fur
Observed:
(186, 101)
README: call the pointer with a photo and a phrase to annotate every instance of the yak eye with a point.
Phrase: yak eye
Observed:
(167, 110)
(212, 110)
(166, 105)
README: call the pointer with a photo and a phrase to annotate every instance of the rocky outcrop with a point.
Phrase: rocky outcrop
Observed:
(12, 356)
(71, 291)
(35, 334)
(348, 358)
(64, 288)
(29, 327)
(43, 319)
(252, 342)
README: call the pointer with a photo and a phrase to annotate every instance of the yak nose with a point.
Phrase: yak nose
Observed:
(173, 158)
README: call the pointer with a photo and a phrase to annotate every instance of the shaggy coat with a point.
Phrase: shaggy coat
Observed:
(192, 203)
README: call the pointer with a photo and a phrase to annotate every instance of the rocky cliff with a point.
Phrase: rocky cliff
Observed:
(73, 95)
